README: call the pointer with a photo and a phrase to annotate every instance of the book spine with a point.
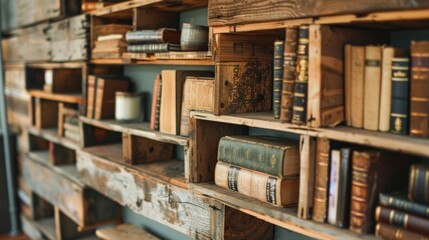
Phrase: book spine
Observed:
(99, 95)
(144, 36)
(91, 93)
(357, 85)
(264, 187)
(277, 77)
(154, 102)
(158, 105)
(321, 179)
(289, 74)
(403, 220)
(152, 48)
(347, 83)
(333, 186)
(343, 212)
(259, 157)
(419, 121)
(386, 86)
(301, 84)
(400, 94)
(405, 205)
(372, 84)
(360, 191)
(418, 189)
(390, 232)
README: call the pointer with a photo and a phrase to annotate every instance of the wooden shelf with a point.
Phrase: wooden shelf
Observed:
(171, 171)
(125, 61)
(283, 217)
(136, 129)
(44, 227)
(51, 135)
(67, 170)
(67, 98)
(50, 65)
(384, 140)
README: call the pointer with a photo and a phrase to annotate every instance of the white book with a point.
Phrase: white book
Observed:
(333, 186)
(110, 37)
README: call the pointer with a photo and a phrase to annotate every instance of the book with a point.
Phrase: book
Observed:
(333, 186)
(111, 44)
(104, 55)
(271, 155)
(386, 85)
(372, 83)
(104, 92)
(277, 76)
(63, 80)
(321, 180)
(198, 94)
(153, 47)
(418, 189)
(264, 187)
(108, 50)
(387, 231)
(90, 96)
(419, 104)
(289, 74)
(243, 86)
(299, 114)
(162, 35)
(402, 220)
(194, 37)
(171, 98)
(348, 83)
(344, 182)
(110, 37)
(155, 97)
(357, 79)
(399, 201)
(158, 104)
(400, 96)
(370, 176)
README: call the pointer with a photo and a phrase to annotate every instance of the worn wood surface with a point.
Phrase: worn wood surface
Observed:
(224, 12)
(124, 231)
(42, 229)
(149, 196)
(66, 229)
(67, 98)
(60, 155)
(51, 135)
(29, 228)
(283, 217)
(203, 149)
(306, 176)
(154, 19)
(45, 113)
(138, 150)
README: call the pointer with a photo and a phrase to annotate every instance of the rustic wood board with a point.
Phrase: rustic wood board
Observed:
(39, 229)
(29, 228)
(51, 135)
(283, 217)
(67, 98)
(225, 12)
(124, 231)
(173, 206)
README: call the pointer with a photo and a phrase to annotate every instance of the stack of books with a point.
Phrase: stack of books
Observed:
(153, 41)
(290, 76)
(406, 216)
(261, 167)
(382, 94)
(110, 41)
(68, 125)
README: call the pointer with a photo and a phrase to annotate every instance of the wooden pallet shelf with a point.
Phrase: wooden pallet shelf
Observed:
(66, 98)
(39, 228)
(136, 129)
(51, 134)
(388, 141)
(124, 231)
(283, 217)
(125, 61)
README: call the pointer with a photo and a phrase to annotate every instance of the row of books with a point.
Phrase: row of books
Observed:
(380, 92)
(406, 216)
(68, 122)
(349, 179)
(261, 167)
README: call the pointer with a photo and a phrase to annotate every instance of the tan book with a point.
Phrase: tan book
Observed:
(90, 96)
(348, 83)
(371, 109)
(171, 98)
(198, 94)
(357, 85)
(105, 91)
(264, 187)
(108, 50)
(111, 44)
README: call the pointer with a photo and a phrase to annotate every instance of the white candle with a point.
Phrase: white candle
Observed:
(128, 106)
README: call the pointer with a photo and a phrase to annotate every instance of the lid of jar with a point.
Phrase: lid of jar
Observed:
(128, 94)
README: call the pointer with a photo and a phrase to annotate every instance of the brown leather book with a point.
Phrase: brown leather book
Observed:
(402, 220)
(419, 105)
(321, 180)
(105, 95)
(289, 74)
(390, 232)
(370, 176)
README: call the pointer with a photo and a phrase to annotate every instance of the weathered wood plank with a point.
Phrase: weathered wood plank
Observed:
(306, 176)
(124, 231)
(51, 135)
(29, 228)
(173, 206)
(66, 229)
(225, 12)
(67, 98)
(42, 229)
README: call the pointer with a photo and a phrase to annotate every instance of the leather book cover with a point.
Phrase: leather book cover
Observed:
(321, 180)
(399, 200)
(277, 77)
(418, 189)
(403, 220)
(387, 231)
(400, 96)
(154, 101)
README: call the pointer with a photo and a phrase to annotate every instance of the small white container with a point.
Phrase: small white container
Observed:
(128, 106)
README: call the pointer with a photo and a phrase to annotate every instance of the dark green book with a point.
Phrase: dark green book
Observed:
(399, 201)
(344, 184)
(418, 189)
(300, 93)
(275, 156)
(399, 115)
(277, 77)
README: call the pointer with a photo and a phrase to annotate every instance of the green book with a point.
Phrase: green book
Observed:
(271, 155)
(399, 201)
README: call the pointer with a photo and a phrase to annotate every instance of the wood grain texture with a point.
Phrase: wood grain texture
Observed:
(124, 231)
(173, 206)
(306, 176)
(226, 12)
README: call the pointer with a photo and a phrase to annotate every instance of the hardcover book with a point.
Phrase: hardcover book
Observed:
(334, 179)
(162, 35)
(403, 220)
(155, 97)
(400, 201)
(321, 180)
(264, 187)
(400, 96)
(387, 231)
(371, 109)
(153, 47)
(357, 80)
(418, 189)
(277, 77)
(274, 156)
